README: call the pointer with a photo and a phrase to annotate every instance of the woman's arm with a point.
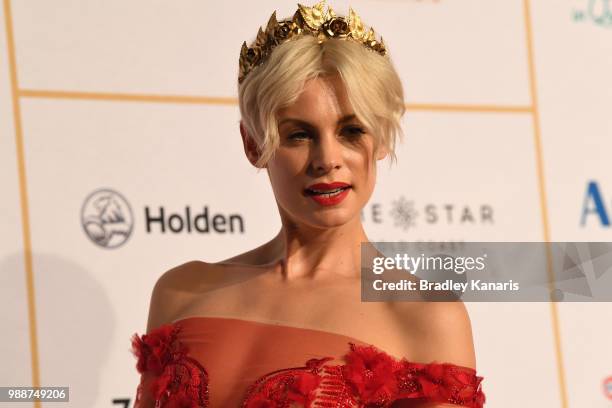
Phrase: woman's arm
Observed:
(167, 299)
(438, 332)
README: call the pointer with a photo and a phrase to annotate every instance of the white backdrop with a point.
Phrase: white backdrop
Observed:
(508, 121)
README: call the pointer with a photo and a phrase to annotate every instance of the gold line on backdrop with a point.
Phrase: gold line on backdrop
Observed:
(18, 93)
(122, 97)
(219, 100)
(543, 200)
(23, 195)
(467, 108)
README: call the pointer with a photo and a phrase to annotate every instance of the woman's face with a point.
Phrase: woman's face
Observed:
(324, 170)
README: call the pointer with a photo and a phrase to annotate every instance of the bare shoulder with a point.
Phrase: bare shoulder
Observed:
(437, 331)
(187, 285)
(175, 288)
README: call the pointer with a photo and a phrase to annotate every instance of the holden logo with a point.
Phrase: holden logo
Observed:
(107, 218)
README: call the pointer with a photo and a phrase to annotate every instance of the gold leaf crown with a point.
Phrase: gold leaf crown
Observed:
(306, 21)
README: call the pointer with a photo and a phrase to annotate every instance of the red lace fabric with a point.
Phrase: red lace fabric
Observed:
(368, 378)
(179, 380)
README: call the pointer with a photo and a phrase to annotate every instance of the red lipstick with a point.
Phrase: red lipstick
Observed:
(328, 194)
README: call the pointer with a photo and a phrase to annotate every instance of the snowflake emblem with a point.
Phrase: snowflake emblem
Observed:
(403, 213)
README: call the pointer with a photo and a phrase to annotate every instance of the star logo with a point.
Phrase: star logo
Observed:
(403, 213)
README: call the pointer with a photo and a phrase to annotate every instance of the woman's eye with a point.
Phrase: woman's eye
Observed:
(354, 131)
(298, 136)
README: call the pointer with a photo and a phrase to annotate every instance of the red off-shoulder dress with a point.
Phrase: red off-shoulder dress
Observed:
(230, 363)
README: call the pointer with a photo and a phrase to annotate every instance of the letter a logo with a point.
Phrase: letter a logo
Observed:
(593, 203)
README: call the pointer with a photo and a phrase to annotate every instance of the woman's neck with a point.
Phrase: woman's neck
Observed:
(301, 252)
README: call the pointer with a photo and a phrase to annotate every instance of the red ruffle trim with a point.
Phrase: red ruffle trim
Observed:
(179, 380)
(370, 378)
(378, 380)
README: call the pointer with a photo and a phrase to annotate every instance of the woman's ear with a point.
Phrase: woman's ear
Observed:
(250, 145)
(381, 152)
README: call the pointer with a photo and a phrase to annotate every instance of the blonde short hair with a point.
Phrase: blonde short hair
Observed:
(373, 87)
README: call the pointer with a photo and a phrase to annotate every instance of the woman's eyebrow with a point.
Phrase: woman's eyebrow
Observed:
(299, 122)
(344, 119)
(347, 118)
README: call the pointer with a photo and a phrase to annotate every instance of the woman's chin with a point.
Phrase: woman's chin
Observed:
(341, 217)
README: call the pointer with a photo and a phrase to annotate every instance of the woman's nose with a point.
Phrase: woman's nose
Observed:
(327, 153)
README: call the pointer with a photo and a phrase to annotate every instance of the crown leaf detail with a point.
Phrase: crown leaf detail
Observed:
(316, 21)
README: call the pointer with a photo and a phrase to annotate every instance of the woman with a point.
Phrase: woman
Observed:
(283, 325)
